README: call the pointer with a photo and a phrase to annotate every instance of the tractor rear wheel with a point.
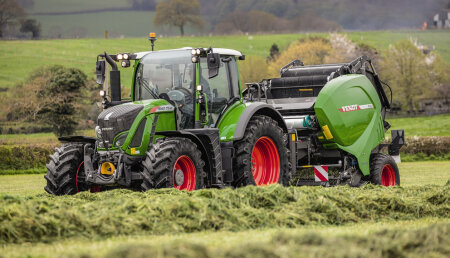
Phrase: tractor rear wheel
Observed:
(173, 162)
(262, 155)
(65, 171)
(384, 170)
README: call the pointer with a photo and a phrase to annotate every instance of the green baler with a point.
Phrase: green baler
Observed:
(190, 124)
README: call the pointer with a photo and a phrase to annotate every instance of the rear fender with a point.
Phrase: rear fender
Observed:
(257, 108)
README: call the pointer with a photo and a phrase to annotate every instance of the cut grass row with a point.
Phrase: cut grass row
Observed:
(169, 211)
(383, 232)
(428, 237)
(19, 58)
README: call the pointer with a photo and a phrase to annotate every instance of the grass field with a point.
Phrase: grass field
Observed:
(411, 173)
(50, 6)
(95, 24)
(438, 125)
(19, 58)
(411, 220)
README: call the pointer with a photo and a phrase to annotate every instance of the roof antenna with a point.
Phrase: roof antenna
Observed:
(152, 38)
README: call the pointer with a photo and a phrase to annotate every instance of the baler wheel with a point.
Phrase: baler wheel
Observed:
(173, 162)
(384, 170)
(262, 155)
(65, 171)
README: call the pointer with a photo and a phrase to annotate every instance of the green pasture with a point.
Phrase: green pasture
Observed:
(19, 58)
(437, 125)
(117, 23)
(51, 6)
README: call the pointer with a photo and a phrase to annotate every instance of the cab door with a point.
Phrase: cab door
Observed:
(219, 90)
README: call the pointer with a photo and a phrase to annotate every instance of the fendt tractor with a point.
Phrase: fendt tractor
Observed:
(191, 124)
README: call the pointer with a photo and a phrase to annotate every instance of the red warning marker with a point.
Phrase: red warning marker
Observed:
(321, 173)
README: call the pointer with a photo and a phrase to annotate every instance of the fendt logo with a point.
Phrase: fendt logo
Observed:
(355, 107)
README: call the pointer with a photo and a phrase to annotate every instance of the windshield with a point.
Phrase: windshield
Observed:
(162, 72)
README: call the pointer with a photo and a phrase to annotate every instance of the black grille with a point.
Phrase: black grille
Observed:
(117, 119)
(137, 138)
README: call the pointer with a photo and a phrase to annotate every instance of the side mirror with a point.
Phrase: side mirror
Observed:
(100, 70)
(213, 60)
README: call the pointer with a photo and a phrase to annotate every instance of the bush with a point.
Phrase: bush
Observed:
(22, 157)
(428, 145)
(253, 69)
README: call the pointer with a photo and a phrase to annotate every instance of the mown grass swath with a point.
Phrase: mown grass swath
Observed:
(429, 241)
(122, 212)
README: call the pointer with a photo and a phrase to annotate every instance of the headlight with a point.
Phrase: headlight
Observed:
(120, 140)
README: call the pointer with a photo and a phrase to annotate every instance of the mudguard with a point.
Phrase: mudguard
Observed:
(257, 108)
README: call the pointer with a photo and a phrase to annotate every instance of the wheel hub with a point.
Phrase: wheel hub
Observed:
(388, 177)
(184, 174)
(179, 177)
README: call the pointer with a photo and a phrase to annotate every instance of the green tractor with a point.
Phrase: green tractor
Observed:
(191, 124)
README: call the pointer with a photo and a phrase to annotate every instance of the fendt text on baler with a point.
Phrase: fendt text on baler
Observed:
(190, 124)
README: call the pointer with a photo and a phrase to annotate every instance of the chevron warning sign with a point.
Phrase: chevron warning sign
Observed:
(321, 173)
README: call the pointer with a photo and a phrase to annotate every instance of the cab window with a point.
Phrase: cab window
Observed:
(216, 89)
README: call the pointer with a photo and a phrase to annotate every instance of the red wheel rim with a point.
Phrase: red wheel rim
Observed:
(185, 164)
(388, 177)
(265, 162)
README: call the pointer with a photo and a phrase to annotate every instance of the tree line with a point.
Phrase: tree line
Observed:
(242, 16)
(12, 13)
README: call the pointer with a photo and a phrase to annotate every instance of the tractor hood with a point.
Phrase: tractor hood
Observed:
(117, 119)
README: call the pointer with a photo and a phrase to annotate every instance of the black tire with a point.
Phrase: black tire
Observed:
(258, 127)
(65, 171)
(384, 170)
(159, 164)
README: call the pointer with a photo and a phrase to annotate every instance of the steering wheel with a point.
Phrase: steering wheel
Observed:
(183, 97)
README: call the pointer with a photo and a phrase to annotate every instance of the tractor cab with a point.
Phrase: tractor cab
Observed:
(200, 83)
(184, 78)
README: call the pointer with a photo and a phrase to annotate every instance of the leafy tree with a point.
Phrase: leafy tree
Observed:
(253, 69)
(10, 12)
(178, 13)
(405, 66)
(311, 50)
(31, 25)
(53, 95)
(61, 94)
(252, 21)
(274, 52)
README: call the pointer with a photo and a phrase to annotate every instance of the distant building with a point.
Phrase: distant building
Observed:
(441, 20)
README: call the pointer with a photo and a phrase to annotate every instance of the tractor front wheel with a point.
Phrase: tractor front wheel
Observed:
(262, 155)
(65, 171)
(384, 170)
(173, 162)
